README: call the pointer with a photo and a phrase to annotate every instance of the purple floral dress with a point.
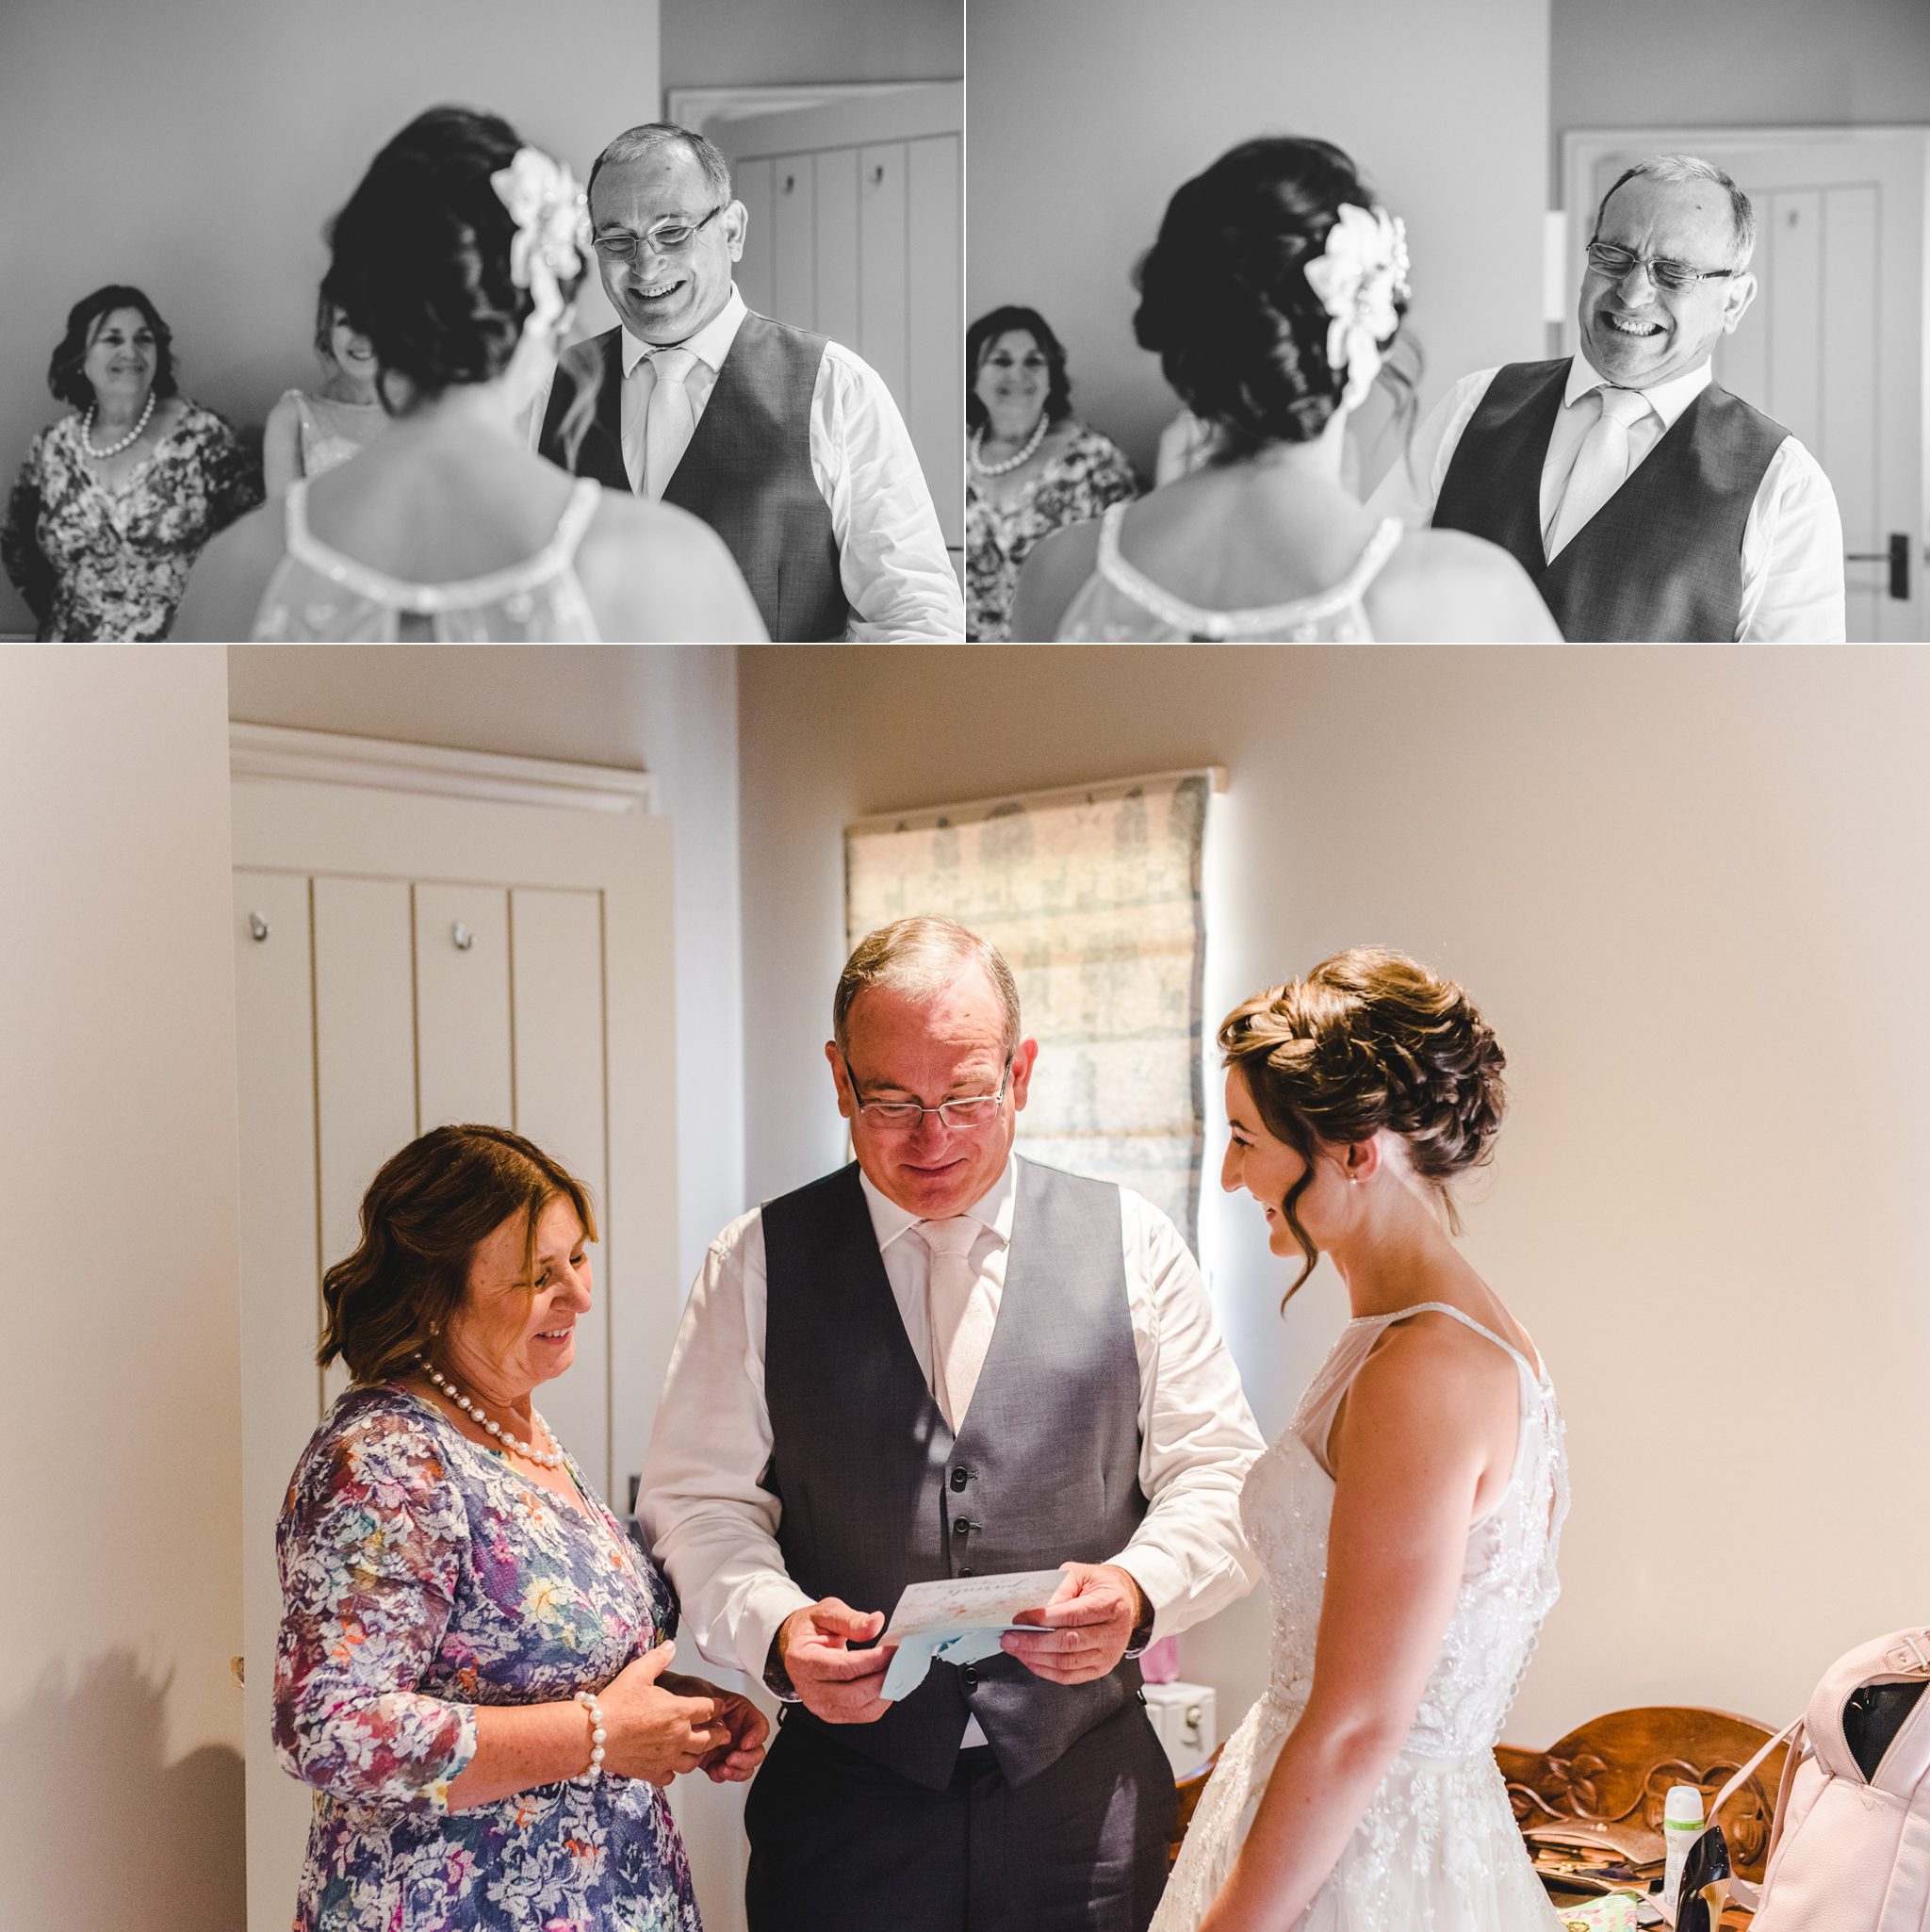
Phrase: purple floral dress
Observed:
(421, 1577)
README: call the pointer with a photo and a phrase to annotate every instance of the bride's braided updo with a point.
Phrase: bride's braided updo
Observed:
(1224, 299)
(421, 253)
(1370, 1040)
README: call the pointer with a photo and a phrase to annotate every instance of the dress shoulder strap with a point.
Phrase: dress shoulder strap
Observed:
(428, 599)
(1260, 620)
(1536, 1373)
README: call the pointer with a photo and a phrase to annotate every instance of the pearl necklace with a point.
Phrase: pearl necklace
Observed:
(126, 442)
(1025, 455)
(551, 1458)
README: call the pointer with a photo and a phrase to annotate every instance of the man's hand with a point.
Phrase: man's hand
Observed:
(838, 1685)
(1085, 1626)
(747, 1728)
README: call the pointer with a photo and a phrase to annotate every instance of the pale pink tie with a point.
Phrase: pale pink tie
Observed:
(670, 421)
(1601, 465)
(958, 1307)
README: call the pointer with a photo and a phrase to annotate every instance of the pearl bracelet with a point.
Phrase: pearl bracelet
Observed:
(588, 1700)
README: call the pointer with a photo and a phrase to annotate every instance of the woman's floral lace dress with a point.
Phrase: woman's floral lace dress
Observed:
(95, 562)
(1089, 473)
(421, 1577)
(1438, 1849)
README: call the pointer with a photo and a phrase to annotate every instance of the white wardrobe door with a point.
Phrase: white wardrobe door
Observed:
(794, 239)
(560, 1059)
(836, 246)
(461, 1005)
(883, 310)
(753, 182)
(935, 394)
(364, 1051)
(280, 1387)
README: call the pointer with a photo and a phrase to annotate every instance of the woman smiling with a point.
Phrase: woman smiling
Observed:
(116, 499)
(471, 1670)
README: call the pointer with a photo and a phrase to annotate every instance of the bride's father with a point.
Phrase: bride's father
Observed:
(943, 1361)
(1643, 498)
(788, 445)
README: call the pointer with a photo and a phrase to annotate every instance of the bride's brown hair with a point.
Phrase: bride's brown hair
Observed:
(1369, 1039)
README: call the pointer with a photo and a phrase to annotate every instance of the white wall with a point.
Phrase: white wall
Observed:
(1685, 886)
(1084, 116)
(1735, 63)
(195, 149)
(120, 1724)
(761, 42)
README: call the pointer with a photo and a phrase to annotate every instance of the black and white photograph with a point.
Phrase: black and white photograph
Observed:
(288, 239)
(1256, 288)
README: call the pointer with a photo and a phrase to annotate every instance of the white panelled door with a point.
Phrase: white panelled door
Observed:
(406, 958)
(856, 232)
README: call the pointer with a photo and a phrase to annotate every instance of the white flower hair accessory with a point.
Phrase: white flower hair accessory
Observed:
(1358, 277)
(552, 238)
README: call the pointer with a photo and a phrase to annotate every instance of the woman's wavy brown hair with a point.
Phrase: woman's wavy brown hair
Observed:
(422, 1217)
(1369, 1039)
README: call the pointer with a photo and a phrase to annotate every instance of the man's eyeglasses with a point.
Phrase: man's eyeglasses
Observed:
(666, 238)
(973, 1110)
(1616, 262)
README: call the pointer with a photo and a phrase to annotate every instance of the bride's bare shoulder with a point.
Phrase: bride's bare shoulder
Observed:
(655, 573)
(1446, 586)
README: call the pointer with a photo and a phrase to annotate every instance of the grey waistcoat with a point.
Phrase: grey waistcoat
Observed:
(875, 1491)
(1662, 557)
(746, 472)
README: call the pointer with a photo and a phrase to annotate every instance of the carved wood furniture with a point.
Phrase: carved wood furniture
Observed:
(1604, 1785)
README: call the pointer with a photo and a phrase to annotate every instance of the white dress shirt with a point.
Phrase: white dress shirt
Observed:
(897, 574)
(714, 1526)
(1793, 543)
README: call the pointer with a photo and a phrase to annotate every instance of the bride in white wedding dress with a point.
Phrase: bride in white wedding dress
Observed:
(1408, 1519)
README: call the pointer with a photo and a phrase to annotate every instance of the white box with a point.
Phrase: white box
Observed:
(1186, 1720)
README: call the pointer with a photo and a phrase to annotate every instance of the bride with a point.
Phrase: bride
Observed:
(458, 256)
(1271, 295)
(1409, 1517)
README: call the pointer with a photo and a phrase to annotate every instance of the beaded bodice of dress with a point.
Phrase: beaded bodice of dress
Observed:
(1508, 1585)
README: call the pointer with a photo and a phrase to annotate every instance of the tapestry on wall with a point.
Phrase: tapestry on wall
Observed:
(1094, 898)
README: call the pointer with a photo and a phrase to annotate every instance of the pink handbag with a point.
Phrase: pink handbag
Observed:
(1851, 1853)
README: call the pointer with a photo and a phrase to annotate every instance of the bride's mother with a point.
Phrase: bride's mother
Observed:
(471, 1664)
(116, 499)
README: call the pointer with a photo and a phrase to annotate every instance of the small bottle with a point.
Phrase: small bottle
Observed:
(1682, 1828)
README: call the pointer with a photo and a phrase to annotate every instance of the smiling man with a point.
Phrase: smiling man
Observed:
(789, 445)
(945, 1361)
(1645, 499)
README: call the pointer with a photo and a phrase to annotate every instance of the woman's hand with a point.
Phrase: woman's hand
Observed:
(734, 1762)
(652, 1731)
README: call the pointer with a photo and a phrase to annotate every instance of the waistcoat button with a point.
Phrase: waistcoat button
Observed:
(970, 1674)
(961, 1478)
(961, 1526)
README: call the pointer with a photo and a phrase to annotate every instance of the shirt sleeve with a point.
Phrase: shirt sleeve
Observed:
(26, 564)
(897, 574)
(1412, 486)
(702, 1503)
(370, 1545)
(1793, 556)
(1197, 1435)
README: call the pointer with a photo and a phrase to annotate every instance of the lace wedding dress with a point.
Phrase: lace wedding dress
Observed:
(1438, 1849)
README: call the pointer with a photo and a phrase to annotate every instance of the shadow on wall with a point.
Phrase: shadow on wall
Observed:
(99, 1829)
